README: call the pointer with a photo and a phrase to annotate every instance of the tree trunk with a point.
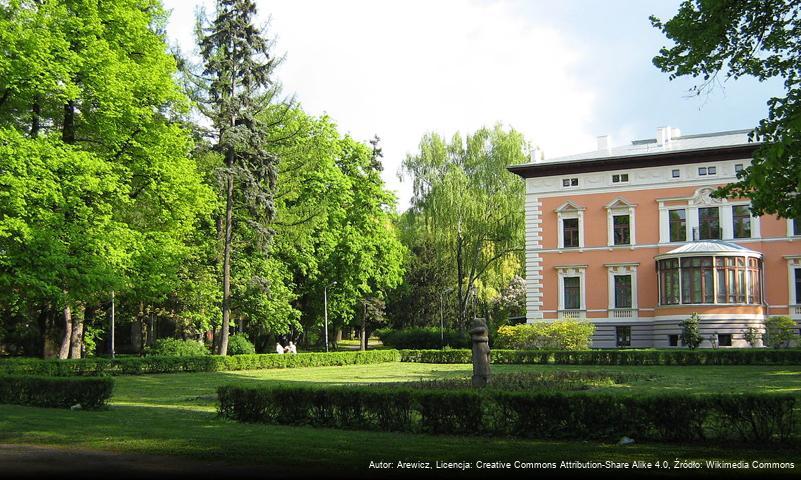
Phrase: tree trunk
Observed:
(222, 345)
(36, 110)
(68, 130)
(76, 339)
(137, 344)
(64, 349)
(462, 297)
(363, 333)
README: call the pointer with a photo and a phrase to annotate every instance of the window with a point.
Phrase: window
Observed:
(623, 335)
(718, 279)
(623, 291)
(676, 173)
(697, 280)
(673, 340)
(709, 223)
(797, 226)
(570, 182)
(621, 229)
(797, 273)
(618, 178)
(702, 171)
(669, 281)
(712, 170)
(572, 286)
(738, 167)
(724, 339)
(741, 221)
(570, 230)
(678, 225)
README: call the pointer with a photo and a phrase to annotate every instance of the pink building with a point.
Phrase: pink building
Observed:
(631, 239)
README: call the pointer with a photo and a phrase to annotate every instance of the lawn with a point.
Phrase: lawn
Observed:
(174, 414)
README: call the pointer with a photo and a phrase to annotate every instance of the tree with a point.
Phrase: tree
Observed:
(779, 331)
(757, 38)
(235, 87)
(690, 332)
(92, 85)
(468, 206)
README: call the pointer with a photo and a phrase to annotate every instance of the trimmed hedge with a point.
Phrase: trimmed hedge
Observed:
(206, 363)
(753, 418)
(422, 337)
(174, 347)
(746, 356)
(90, 393)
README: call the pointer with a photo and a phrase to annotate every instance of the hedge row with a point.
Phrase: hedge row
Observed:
(753, 418)
(89, 393)
(749, 356)
(206, 363)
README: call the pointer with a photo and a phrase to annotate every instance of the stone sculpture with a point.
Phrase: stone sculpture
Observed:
(481, 353)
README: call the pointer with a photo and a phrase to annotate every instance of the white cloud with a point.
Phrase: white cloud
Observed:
(400, 69)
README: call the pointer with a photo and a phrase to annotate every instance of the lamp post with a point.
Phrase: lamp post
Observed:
(325, 303)
(441, 319)
(112, 324)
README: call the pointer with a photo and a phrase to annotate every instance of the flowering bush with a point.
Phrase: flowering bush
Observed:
(558, 335)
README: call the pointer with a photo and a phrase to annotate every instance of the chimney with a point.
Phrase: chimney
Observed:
(604, 143)
(536, 155)
(662, 135)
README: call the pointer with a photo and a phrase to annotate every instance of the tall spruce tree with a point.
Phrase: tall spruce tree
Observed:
(235, 87)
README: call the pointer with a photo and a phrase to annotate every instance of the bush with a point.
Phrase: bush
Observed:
(779, 331)
(423, 337)
(755, 418)
(239, 344)
(745, 356)
(173, 347)
(204, 363)
(90, 393)
(558, 335)
(690, 332)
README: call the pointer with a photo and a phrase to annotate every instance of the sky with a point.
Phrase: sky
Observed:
(560, 72)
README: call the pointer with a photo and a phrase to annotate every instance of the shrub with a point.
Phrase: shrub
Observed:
(90, 393)
(755, 418)
(239, 344)
(729, 356)
(690, 331)
(204, 363)
(423, 337)
(752, 336)
(173, 347)
(558, 335)
(779, 331)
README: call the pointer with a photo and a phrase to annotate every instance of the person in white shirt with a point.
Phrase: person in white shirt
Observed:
(292, 348)
(279, 349)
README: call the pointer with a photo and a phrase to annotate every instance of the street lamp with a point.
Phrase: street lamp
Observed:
(441, 321)
(325, 303)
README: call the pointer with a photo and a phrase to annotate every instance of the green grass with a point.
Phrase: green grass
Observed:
(175, 415)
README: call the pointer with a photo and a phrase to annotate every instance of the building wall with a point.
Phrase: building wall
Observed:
(648, 193)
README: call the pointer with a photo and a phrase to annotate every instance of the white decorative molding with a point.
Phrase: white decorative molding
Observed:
(533, 259)
(565, 211)
(620, 206)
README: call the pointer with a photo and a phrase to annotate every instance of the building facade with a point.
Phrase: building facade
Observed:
(632, 239)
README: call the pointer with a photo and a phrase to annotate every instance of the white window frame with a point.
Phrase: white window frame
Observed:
(565, 211)
(728, 227)
(790, 228)
(614, 269)
(572, 271)
(793, 264)
(619, 206)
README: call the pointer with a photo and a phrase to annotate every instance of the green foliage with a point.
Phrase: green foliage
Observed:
(176, 364)
(423, 337)
(779, 331)
(240, 345)
(532, 414)
(691, 332)
(466, 215)
(173, 347)
(559, 335)
(752, 336)
(760, 39)
(749, 356)
(89, 393)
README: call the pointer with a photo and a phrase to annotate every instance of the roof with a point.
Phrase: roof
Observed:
(710, 247)
(676, 144)
(706, 147)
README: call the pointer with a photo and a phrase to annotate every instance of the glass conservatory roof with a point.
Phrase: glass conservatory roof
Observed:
(710, 247)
